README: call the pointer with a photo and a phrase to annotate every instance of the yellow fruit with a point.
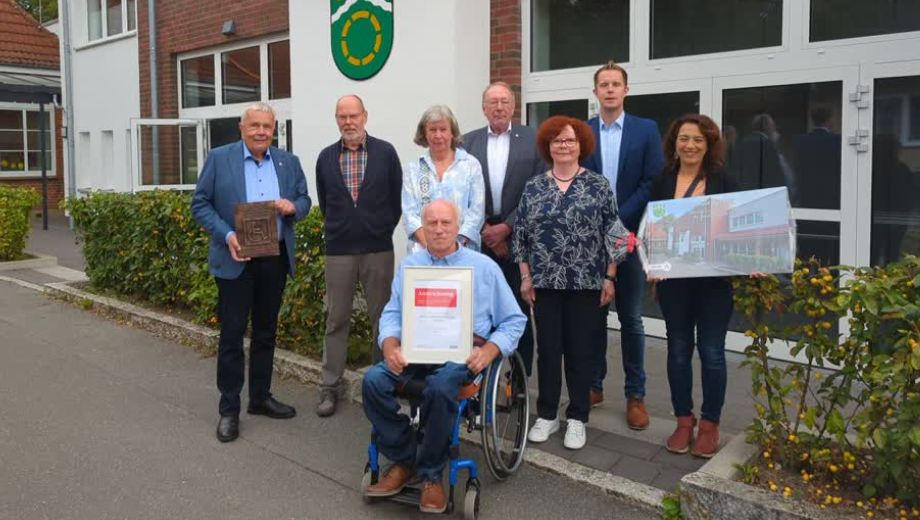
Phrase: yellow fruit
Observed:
(773, 487)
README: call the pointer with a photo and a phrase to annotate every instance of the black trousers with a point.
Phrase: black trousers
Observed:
(256, 293)
(513, 276)
(567, 323)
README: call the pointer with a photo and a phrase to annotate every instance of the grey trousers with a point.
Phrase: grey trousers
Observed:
(343, 272)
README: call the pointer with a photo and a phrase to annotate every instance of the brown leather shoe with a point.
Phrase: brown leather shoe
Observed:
(679, 441)
(597, 397)
(636, 416)
(433, 499)
(391, 483)
(707, 440)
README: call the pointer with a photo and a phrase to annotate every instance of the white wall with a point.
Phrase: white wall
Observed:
(106, 95)
(440, 55)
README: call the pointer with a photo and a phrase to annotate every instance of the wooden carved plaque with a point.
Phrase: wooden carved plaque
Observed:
(257, 229)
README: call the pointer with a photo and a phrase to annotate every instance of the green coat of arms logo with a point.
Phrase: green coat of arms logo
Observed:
(362, 36)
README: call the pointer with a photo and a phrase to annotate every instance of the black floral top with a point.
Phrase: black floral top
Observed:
(569, 238)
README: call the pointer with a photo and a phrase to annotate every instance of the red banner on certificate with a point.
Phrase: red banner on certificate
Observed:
(427, 297)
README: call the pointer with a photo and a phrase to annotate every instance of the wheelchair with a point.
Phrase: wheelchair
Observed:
(496, 404)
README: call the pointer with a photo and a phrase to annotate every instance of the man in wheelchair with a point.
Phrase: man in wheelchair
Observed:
(497, 319)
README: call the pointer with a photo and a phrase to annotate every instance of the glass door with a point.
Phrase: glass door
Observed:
(888, 222)
(797, 129)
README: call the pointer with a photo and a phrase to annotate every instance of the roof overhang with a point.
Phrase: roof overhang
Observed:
(29, 87)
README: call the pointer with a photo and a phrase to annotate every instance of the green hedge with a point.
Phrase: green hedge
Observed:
(147, 246)
(15, 204)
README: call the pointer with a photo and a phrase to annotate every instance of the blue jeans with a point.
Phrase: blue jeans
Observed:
(628, 300)
(438, 412)
(699, 307)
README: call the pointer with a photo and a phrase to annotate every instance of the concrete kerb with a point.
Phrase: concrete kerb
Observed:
(37, 261)
(713, 491)
(309, 371)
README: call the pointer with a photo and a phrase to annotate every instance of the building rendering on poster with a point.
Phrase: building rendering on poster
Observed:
(719, 235)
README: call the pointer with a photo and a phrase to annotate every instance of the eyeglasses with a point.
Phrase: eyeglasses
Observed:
(496, 102)
(564, 143)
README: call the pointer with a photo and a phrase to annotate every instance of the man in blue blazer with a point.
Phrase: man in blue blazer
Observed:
(629, 155)
(250, 170)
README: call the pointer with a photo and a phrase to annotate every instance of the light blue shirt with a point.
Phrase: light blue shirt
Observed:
(496, 313)
(611, 137)
(462, 183)
(261, 180)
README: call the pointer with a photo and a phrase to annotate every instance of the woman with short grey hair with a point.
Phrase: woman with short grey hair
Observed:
(444, 171)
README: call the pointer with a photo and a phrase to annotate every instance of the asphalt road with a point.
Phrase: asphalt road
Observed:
(102, 421)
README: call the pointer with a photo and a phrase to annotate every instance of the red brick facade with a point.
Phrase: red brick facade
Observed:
(186, 26)
(190, 25)
(505, 55)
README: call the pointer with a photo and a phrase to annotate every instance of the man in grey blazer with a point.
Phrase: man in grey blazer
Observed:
(509, 158)
(250, 170)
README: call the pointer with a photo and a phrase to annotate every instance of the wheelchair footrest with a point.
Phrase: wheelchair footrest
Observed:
(410, 495)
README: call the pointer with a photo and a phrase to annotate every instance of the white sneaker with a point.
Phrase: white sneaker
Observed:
(574, 435)
(542, 429)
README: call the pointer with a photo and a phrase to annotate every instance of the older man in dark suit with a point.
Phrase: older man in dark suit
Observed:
(509, 158)
(249, 170)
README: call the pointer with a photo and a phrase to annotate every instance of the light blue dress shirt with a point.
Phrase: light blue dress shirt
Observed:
(496, 313)
(611, 137)
(261, 180)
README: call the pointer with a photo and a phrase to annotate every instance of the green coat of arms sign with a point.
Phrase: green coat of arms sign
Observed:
(362, 36)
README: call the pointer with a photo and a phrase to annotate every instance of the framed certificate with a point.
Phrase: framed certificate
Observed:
(437, 314)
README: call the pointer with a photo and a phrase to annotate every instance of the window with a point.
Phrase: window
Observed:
(110, 17)
(786, 135)
(20, 143)
(578, 33)
(241, 76)
(663, 108)
(682, 28)
(895, 170)
(839, 19)
(198, 82)
(539, 112)
(279, 70)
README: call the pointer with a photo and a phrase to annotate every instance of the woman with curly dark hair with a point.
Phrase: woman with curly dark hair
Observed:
(568, 240)
(696, 310)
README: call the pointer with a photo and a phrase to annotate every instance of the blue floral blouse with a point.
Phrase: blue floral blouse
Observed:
(569, 238)
(461, 183)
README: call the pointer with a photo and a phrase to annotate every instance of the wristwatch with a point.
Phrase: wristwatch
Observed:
(612, 278)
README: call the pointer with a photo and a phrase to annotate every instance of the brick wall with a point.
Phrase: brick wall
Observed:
(55, 176)
(190, 25)
(186, 26)
(505, 59)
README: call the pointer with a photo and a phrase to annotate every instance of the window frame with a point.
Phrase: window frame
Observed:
(219, 108)
(36, 172)
(103, 23)
(807, 44)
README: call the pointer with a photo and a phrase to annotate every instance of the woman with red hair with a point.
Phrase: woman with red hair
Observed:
(568, 240)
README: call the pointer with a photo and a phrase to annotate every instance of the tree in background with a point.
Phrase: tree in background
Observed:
(41, 10)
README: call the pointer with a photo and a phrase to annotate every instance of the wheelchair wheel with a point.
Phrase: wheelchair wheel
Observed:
(505, 407)
(367, 480)
(471, 502)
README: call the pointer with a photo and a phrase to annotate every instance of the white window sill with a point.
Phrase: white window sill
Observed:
(13, 176)
(107, 39)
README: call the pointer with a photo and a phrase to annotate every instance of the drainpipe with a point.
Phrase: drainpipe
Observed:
(154, 93)
(70, 157)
